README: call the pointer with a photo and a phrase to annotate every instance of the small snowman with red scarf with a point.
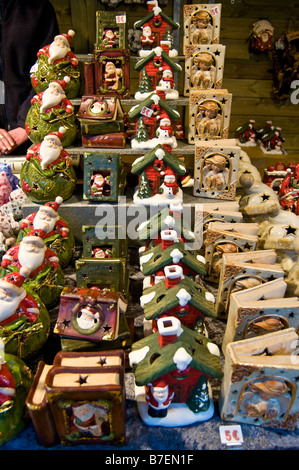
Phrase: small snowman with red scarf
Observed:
(169, 187)
(167, 84)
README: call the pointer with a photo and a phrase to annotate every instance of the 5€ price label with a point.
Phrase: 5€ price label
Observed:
(146, 111)
(120, 18)
(231, 435)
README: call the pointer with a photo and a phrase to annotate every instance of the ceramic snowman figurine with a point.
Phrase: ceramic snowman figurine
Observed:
(55, 61)
(169, 187)
(48, 171)
(167, 84)
(164, 131)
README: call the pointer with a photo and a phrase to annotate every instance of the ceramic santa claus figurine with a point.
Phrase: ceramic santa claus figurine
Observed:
(158, 396)
(24, 319)
(109, 39)
(147, 40)
(55, 61)
(43, 264)
(48, 171)
(57, 234)
(50, 110)
(15, 382)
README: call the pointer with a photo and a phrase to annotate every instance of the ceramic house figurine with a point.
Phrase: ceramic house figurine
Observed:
(170, 251)
(242, 271)
(48, 171)
(288, 192)
(209, 115)
(104, 179)
(260, 310)
(158, 171)
(227, 238)
(45, 277)
(24, 320)
(216, 170)
(158, 69)
(247, 134)
(50, 110)
(113, 245)
(101, 120)
(57, 234)
(111, 30)
(91, 318)
(271, 142)
(153, 123)
(172, 217)
(202, 24)
(15, 379)
(178, 295)
(259, 385)
(157, 30)
(261, 37)
(54, 62)
(173, 389)
(204, 67)
(80, 399)
(217, 211)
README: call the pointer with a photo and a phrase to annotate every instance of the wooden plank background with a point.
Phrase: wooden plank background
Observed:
(247, 77)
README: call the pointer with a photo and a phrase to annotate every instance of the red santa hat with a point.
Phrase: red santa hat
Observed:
(53, 206)
(159, 383)
(14, 281)
(61, 84)
(67, 37)
(36, 237)
(168, 173)
(56, 135)
(163, 115)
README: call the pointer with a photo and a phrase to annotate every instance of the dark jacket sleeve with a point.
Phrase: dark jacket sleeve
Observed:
(28, 25)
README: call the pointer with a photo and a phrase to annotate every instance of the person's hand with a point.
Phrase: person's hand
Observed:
(10, 140)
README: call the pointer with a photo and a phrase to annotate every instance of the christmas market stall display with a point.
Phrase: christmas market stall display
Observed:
(79, 399)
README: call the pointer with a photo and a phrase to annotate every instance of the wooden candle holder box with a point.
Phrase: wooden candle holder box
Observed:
(260, 382)
(209, 115)
(79, 399)
(244, 270)
(213, 212)
(195, 78)
(216, 166)
(229, 237)
(210, 14)
(114, 245)
(260, 310)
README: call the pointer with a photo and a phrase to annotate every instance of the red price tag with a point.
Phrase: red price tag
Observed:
(146, 111)
(121, 19)
(214, 11)
(231, 435)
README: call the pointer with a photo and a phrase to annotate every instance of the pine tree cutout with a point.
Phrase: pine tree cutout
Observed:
(144, 190)
(199, 399)
(141, 132)
(168, 37)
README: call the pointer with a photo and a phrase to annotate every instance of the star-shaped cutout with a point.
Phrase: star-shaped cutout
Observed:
(217, 52)
(82, 380)
(102, 361)
(65, 323)
(106, 328)
(265, 197)
(247, 246)
(290, 230)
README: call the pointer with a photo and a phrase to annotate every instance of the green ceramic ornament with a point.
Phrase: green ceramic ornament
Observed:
(50, 110)
(12, 411)
(54, 62)
(48, 171)
(24, 319)
(57, 235)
